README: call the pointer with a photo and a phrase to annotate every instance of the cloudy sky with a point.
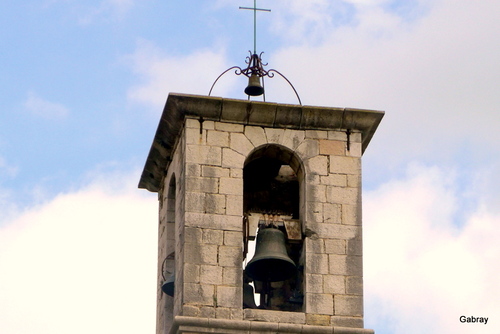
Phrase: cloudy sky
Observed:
(82, 86)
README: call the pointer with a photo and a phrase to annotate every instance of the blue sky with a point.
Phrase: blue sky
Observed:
(82, 86)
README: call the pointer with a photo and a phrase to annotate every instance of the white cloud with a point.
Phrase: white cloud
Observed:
(422, 271)
(84, 260)
(45, 109)
(106, 10)
(436, 76)
(162, 74)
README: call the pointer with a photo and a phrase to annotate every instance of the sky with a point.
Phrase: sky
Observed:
(82, 88)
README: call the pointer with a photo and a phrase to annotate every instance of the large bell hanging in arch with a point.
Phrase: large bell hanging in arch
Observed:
(271, 262)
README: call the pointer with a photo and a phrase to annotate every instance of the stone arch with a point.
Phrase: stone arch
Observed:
(273, 180)
(268, 163)
(168, 234)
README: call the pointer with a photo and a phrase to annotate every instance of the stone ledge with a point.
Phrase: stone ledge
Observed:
(183, 324)
(181, 106)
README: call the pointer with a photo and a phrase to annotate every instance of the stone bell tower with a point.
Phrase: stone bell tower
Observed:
(228, 172)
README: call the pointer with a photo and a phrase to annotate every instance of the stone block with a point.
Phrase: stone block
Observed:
(190, 311)
(200, 253)
(337, 264)
(316, 134)
(210, 274)
(208, 125)
(241, 144)
(274, 316)
(228, 313)
(332, 213)
(354, 181)
(232, 238)
(193, 235)
(236, 173)
(316, 263)
(355, 150)
(214, 172)
(191, 273)
(274, 136)
(193, 170)
(256, 135)
(193, 136)
(314, 212)
(317, 303)
(317, 165)
(314, 245)
(316, 193)
(213, 237)
(313, 283)
(337, 135)
(232, 159)
(332, 147)
(229, 127)
(334, 231)
(231, 186)
(354, 285)
(348, 305)
(234, 205)
(355, 266)
(195, 202)
(218, 138)
(215, 203)
(318, 319)
(232, 276)
(340, 195)
(192, 123)
(337, 180)
(351, 214)
(345, 165)
(205, 155)
(293, 138)
(207, 312)
(352, 322)
(354, 247)
(334, 284)
(213, 221)
(202, 184)
(229, 296)
(307, 149)
(199, 294)
(230, 256)
(335, 246)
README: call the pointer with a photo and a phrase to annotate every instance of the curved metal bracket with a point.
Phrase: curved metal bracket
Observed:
(295, 91)
(229, 69)
(255, 67)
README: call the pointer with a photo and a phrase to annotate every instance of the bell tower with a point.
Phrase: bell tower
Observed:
(260, 227)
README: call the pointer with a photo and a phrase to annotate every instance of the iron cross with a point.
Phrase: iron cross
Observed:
(255, 9)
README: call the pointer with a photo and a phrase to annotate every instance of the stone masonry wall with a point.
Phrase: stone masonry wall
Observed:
(208, 248)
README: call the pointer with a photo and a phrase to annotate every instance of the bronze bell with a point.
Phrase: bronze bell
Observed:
(168, 286)
(254, 87)
(271, 262)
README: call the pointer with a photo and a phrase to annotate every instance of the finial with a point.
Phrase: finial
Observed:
(255, 69)
(255, 9)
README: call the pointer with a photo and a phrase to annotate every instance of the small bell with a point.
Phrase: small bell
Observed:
(168, 287)
(254, 87)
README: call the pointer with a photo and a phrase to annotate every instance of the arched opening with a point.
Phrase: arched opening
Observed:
(167, 235)
(272, 178)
